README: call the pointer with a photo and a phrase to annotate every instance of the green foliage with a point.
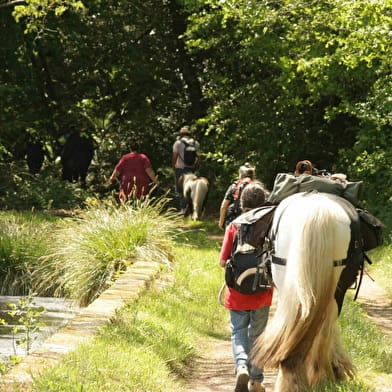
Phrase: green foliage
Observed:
(266, 82)
(26, 316)
(35, 12)
(44, 191)
(370, 162)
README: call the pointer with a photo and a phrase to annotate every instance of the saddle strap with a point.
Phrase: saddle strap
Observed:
(361, 271)
(282, 261)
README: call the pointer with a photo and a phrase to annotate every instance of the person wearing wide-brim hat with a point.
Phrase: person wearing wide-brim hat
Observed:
(179, 159)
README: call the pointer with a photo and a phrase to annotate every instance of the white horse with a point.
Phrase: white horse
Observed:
(195, 191)
(311, 235)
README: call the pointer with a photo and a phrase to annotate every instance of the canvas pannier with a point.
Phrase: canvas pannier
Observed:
(287, 184)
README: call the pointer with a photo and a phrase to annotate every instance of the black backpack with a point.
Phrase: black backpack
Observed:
(190, 152)
(249, 268)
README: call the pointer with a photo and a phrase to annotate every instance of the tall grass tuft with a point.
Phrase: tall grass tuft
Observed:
(87, 253)
(23, 239)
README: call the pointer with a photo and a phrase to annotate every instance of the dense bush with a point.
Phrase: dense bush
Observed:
(22, 190)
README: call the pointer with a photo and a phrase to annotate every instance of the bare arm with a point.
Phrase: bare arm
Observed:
(114, 176)
(174, 159)
(222, 263)
(150, 172)
(223, 212)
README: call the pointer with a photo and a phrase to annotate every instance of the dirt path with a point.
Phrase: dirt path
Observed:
(377, 305)
(214, 372)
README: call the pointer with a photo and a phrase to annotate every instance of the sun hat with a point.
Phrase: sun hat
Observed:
(185, 130)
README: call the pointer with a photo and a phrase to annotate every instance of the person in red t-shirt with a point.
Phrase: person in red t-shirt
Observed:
(135, 174)
(248, 313)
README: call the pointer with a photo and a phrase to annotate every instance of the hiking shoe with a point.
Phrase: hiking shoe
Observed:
(255, 386)
(241, 380)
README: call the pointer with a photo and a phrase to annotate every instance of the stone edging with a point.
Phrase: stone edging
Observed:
(83, 326)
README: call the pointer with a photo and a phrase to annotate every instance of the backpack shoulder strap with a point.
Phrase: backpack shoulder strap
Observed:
(183, 141)
(239, 186)
(235, 244)
(188, 142)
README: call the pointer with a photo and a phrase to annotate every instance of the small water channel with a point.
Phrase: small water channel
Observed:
(57, 313)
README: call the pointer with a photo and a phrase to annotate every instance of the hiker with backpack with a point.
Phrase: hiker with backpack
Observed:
(230, 206)
(184, 158)
(248, 312)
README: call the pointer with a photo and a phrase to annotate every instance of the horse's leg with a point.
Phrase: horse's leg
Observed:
(342, 364)
(198, 197)
(188, 210)
(291, 376)
(327, 360)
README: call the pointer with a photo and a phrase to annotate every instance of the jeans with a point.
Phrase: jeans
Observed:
(246, 326)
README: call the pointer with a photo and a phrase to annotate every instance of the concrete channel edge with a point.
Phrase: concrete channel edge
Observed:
(83, 326)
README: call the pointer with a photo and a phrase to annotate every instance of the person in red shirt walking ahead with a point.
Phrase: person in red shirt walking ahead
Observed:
(135, 174)
(248, 313)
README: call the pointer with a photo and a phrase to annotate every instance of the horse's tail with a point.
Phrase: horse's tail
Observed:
(319, 234)
(199, 195)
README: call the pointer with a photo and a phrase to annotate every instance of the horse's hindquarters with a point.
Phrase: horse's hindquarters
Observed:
(311, 232)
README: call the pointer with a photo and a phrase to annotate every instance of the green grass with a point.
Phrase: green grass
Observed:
(89, 252)
(150, 343)
(371, 352)
(370, 349)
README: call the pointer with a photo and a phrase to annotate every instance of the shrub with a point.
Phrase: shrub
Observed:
(43, 191)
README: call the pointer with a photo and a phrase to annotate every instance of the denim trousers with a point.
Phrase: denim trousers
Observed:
(246, 327)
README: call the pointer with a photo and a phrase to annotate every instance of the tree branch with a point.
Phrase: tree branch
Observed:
(11, 3)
